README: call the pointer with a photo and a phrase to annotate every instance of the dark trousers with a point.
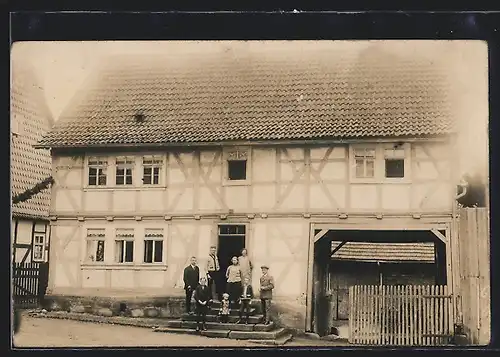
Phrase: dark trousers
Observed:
(212, 284)
(266, 306)
(201, 314)
(189, 295)
(223, 318)
(245, 307)
(234, 291)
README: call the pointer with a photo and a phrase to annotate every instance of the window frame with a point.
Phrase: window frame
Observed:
(154, 235)
(157, 161)
(235, 154)
(36, 244)
(127, 164)
(102, 164)
(93, 238)
(123, 237)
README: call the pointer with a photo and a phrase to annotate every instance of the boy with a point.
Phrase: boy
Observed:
(266, 292)
(202, 298)
(245, 298)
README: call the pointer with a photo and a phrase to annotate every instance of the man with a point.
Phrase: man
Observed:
(266, 292)
(213, 268)
(202, 298)
(191, 280)
(245, 298)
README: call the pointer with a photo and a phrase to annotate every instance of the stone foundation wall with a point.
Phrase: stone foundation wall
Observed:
(285, 312)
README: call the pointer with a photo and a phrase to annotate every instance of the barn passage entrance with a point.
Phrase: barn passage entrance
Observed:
(231, 240)
(345, 258)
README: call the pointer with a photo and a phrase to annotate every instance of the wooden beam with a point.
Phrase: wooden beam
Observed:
(320, 235)
(310, 283)
(337, 248)
(439, 235)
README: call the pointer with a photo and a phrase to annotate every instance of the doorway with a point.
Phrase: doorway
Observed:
(231, 240)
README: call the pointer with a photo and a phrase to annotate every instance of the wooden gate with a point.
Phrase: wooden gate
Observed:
(400, 315)
(29, 283)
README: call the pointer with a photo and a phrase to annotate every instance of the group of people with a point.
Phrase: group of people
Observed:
(203, 289)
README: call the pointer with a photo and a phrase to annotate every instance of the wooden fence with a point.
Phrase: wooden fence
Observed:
(400, 315)
(29, 282)
(474, 262)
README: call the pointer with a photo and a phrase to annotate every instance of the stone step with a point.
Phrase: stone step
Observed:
(215, 318)
(220, 326)
(254, 303)
(258, 335)
(234, 311)
(280, 341)
(277, 336)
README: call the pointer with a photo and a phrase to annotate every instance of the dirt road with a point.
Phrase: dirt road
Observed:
(45, 332)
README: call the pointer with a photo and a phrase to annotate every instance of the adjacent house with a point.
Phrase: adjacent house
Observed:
(331, 165)
(30, 118)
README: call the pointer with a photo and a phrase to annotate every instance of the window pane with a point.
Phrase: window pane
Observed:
(90, 250)
(129, 180)
(119, 251)
(38, 252)
(148, 251)
(92, 176)
(129, 251)
(102, 179)
(394, 168)
(100, 251)
(370, 168)
(119, 180)
(158, 251)
(120, 172)
(360, 172)
(156, 177)
(237, 169)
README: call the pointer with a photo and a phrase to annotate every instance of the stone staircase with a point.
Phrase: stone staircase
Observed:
(255, 331)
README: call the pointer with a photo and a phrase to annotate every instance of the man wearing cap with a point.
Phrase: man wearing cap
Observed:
(266, 292)
(213, 268)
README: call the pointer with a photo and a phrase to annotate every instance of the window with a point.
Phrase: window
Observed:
(237, 165)
(124, 246)
(365, 162)
(95, 245)
(153, 246)
(151, 170)
(124, 169)
(394, 163)
(97, 171)
(39, 247)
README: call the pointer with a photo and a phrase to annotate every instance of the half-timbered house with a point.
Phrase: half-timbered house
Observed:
(331, 165)
(30, 119)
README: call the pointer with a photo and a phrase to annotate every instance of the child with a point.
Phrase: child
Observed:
(245, 298)
(224, 308)
(266, 292)
(202, 298)
(233, 275)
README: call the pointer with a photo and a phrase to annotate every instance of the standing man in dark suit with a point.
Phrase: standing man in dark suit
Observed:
(191, 281)
(213, 268)
(266, 293)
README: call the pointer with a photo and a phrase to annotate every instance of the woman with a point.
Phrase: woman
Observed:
(233, 275)
(245, 265)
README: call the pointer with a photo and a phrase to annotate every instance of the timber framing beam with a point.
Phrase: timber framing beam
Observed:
(439, 235)
(320, 234)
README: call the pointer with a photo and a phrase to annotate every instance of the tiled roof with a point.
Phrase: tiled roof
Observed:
(270, 94)
(29, 165)
(385, 252)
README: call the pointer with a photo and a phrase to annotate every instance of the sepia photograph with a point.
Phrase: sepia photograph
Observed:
(250, 194)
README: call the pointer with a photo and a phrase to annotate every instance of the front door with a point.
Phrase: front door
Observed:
(231, 241)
